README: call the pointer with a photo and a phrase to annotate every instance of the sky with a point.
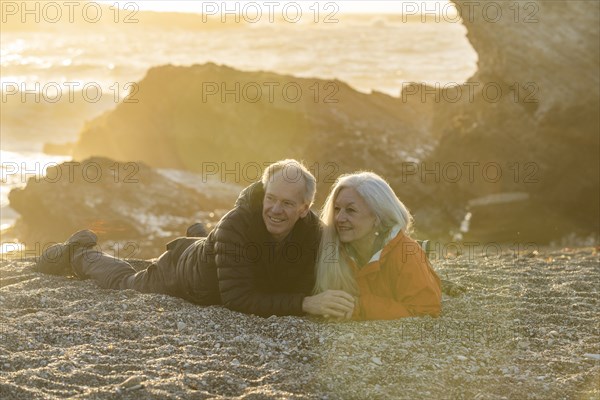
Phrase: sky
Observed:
(351, 6)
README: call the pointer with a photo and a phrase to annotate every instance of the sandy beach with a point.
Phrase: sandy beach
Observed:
(526, 329)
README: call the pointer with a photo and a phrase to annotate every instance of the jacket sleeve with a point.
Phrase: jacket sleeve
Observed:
(415, 287)
(238, 273)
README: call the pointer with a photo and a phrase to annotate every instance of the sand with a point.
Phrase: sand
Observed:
(527, 328)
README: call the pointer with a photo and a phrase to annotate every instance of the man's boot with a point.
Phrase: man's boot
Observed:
(56, 259)
(196, 230)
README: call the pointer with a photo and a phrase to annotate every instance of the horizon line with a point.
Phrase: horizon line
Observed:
(377, 7)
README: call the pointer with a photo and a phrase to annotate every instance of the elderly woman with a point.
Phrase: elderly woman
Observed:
(366, 252)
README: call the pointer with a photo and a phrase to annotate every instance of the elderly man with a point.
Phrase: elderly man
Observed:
(259, 259)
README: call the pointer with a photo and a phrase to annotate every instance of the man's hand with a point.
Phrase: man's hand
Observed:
(331, 303)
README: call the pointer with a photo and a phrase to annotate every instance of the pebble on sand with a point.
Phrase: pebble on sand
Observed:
(376, 360)
(132, 382)
(592, 356)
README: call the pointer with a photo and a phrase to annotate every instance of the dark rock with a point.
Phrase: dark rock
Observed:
(124, 202)
(335, 129)
(543, 136)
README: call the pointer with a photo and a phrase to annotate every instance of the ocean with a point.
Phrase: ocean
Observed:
(53, 81)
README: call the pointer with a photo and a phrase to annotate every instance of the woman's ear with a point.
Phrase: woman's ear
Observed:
(377, 224)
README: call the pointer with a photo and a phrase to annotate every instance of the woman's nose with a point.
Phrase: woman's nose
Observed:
(341, 216)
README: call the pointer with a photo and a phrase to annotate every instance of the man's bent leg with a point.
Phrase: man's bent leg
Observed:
(159, 277)
(114, 273)
(109, 272)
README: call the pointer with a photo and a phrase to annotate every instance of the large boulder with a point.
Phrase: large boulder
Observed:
(130, 204)
(207, 116)
(533, 117)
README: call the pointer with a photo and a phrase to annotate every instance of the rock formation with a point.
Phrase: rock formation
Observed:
(128, 203)
(189, 117)
(542, 131)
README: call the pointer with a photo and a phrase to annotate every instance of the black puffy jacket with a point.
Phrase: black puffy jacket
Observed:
(241, 266)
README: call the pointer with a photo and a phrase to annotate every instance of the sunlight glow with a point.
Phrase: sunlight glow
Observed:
(350, 6)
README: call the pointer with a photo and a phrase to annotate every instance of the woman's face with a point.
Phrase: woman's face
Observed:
(354, 220)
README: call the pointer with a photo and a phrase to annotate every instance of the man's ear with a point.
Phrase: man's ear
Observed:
(304, 211)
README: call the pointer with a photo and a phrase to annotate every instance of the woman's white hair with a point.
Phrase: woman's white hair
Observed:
(332, 270)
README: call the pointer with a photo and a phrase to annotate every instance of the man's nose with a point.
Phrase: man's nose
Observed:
(276, 207)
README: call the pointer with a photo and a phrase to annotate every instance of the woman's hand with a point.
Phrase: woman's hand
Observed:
(349, 315)
(331, 303)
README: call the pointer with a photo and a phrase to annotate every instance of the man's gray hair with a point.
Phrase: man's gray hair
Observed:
(292, 170)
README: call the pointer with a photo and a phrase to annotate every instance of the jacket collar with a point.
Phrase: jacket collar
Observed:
(391, 235)
(251, 198)
(394, 236)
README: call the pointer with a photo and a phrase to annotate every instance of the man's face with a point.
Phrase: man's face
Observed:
(283, 205)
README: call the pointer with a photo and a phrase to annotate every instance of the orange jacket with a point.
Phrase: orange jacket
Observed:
(397, 282)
